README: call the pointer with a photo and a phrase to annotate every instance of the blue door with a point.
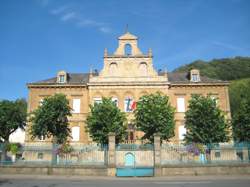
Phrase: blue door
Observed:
(131, 170)
(130, 160)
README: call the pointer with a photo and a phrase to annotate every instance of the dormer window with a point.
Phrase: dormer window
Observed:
(194, 78)
(195, 75)
(61, 77)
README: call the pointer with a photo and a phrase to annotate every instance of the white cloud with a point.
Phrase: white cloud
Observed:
(105, 29)
(65, 13)
(68, 16)
(58, 10)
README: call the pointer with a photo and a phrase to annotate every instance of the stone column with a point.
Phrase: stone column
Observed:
(157, 155)
(111, 155)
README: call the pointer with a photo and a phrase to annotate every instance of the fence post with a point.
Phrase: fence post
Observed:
(111, 155)
(157, 155)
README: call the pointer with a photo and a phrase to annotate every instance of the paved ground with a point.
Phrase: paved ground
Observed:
(75, 181)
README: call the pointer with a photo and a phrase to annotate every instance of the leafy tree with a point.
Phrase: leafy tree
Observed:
(51, 119)
(154, 114)
(12, 116)
(238, 90)
(241, 122)
(205, 122)
(104, 118)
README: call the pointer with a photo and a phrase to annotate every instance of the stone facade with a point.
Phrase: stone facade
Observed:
(127, 74)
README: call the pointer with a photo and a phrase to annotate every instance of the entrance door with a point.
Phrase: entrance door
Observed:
(134, 160)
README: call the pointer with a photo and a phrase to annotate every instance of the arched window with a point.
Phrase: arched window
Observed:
(128, 49)
(113, 68)
(143, 68)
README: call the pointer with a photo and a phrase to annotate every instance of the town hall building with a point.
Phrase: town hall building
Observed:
(127, 74)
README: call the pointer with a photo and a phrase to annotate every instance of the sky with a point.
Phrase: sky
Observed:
(38, 38)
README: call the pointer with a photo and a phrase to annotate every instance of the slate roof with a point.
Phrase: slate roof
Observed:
(83, 78)
(175, 77)
(72, 78)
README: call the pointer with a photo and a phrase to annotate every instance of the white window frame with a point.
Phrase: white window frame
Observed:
(180, 102)
(41, 102)
(215, 98)
(62, 79)
(181, 132)
(97, 100)
(195, 77)
(76, 105)
(75, 133)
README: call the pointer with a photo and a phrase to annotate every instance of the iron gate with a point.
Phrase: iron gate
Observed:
(134, 160)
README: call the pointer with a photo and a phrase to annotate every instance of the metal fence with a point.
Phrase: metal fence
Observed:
(205, 154)
(39, 154)
(170, 154)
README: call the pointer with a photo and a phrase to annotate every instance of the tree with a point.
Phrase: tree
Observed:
(104, 118)
(205, 122)
(51, 119)
(241, 122)
(154, 114)
(12, 116)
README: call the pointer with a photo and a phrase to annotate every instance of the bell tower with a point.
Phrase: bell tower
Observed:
(127, 45)
(128, 63)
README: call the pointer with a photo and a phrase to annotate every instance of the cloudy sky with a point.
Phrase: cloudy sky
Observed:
(40, 37)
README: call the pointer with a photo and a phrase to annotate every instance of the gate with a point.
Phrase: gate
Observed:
(134, 160)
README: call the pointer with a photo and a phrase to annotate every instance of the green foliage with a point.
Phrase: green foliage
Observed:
(12, 116)
(241, 122)
(13, 147)
(205, 122)
(154, 114)
(223, 69)
(65, 148)
(238, 90)
(51, 119)
(104, 118)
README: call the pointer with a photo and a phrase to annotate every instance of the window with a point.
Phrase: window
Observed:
(129, 105)
(180, 104)
(182, 132)
(195, 78)
(115, 100)
(113, 68)
(75, 133)
(76, 105)
(41, 102)
(97, 100)
(128, 49)
(61, 78)
(215, 98)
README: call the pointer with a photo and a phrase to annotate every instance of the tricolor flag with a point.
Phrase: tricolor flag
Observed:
(130, 105)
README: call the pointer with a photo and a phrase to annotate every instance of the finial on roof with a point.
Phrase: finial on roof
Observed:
(126, 29)
(105, 52)
(150, 52)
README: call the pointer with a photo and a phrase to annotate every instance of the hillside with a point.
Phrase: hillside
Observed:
(236, 70)
(223, 69)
